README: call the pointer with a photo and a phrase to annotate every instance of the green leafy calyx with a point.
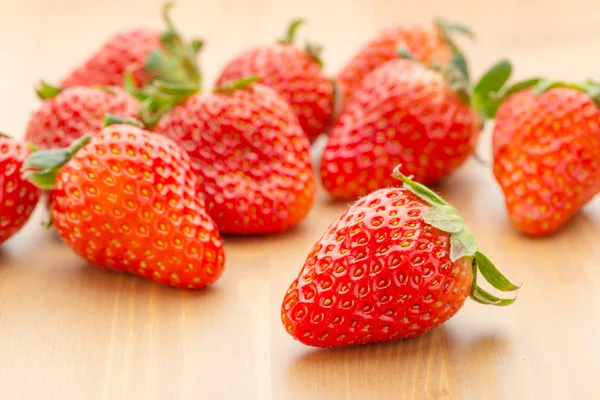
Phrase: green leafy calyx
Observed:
(42, 167)
(238, 84)
(492, 89)
(446, 218)
(175, 62)
(158, 97)
(590, 87)
(312, 49)
(456, 72)
(491, 82)
(458, 66)
(47, 91)
(111, 119)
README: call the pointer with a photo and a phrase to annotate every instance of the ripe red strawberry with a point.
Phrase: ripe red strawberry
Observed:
(404, 113)
(145, 53)
(18, 197)
(427, 43)
(127, 201)
(547, 152)
(295, 73)
(251, 156)
(396, 264)
(68, 114)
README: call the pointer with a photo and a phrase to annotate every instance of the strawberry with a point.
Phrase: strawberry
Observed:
(546, 151)
(127, 201)
(68, 114)
(250, 154)
(18, 197)
(396, 264)
(428, 44)
(295, 73)
(145, 53)
(404, 113)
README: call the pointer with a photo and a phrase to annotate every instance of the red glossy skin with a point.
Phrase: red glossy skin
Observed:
(127, 201)
(127, 50)
(424, 42)
(514, 112)
(295, 75)
(75, 112)
(18, 197)
(251, 156)
(404, 113)
(378, 273)
(547, 158)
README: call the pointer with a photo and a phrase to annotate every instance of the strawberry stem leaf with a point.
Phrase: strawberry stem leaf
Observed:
(41, 167)
(462, 244)
(492, 274)
(47, 91)
(445, 219)
(290, 35)
(4, 135)
(111, 119)
(48, 223)
(517, 87)
(483, 297)
(238, 84)
(420, 190)
(175, 62)
(492, 82)
(459, 62)
(590, 87)
(449, 27)
(404, 52)
(314, 50)
(196, 45)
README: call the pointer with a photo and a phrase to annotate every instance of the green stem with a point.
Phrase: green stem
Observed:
(290, 35)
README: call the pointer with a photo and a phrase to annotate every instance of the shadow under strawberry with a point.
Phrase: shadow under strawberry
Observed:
(108, 283)
(420, 365)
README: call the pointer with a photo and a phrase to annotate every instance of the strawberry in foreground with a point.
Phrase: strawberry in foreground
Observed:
(295, 73)
(69, 113)
(145, 53)
(250, 154)
(396, 264)
(546, 150)
(429, 44)
(127, 201)
(424, 117)
(18, 197)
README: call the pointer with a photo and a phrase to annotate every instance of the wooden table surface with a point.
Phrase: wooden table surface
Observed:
(71, 331)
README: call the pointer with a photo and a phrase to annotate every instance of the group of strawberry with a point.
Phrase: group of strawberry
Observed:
(143, 173)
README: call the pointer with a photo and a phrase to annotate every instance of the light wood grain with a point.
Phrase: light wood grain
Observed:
(70, 331)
